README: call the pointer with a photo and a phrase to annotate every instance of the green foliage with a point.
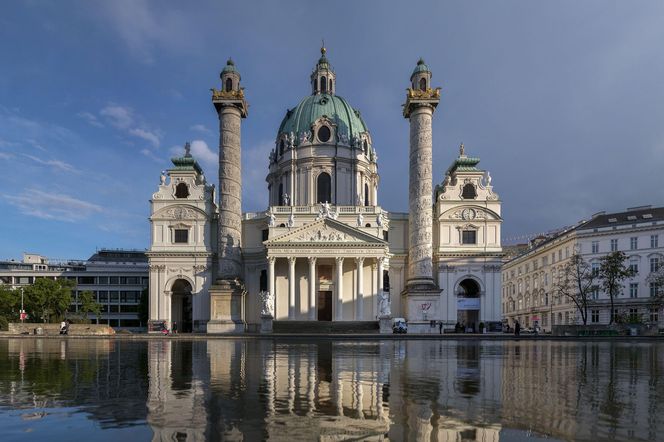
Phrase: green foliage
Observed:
(48, 299)
(4, 324)
(612, 273)
(88, 304)
(10, 302)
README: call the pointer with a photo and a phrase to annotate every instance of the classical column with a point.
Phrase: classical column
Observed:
(270, 284)
(291, 287)
(359, 299)
(380, 262)
(312, 288)
(226, 295)
(339, 288)
(420, 104)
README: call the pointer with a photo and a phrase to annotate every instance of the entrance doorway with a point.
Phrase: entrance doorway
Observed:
(324, 306)
(468, 305)
(181, 308)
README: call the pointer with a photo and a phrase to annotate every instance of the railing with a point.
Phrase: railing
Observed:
(315, 209)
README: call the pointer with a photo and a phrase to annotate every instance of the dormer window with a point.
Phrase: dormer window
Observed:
(469, 192)
(181, 191)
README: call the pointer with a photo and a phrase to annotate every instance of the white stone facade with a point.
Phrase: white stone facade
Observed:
(528, 279)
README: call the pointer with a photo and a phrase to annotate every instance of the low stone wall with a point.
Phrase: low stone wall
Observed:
(606, 330)
(32, 328)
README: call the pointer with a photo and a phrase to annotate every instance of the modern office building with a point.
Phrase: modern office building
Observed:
(116, 277)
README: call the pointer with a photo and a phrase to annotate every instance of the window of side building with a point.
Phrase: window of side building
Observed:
(614, 245)
(634, 243)
(633, 290)
(654, 241)
(594, 316)
(595, 247)
(654, 264)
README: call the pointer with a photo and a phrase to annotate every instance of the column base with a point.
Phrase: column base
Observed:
(385, 325)
(266, 323)
(226, 307)
(421, 299)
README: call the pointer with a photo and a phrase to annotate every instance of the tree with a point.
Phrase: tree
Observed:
(48, 299)
(612, 273)
(10, 302)
(87, 304)
(657, 278)
(576, 281)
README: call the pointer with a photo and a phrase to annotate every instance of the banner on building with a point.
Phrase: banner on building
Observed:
(468, 303)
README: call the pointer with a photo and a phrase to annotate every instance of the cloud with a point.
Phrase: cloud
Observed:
(55, 164)
(52, 206)
(148, 153)
(200, 128)
(123, 118)
(118, 116)
(151, 137)
(91, 119)
(5, 156)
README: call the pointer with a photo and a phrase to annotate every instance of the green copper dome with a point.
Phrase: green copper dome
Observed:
(311, 108)
(421, 67)
(230, 67)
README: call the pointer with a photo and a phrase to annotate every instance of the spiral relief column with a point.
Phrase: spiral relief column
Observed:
(227, 294)
(421, 287)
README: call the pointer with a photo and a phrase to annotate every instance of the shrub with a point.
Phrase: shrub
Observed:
(4, 324)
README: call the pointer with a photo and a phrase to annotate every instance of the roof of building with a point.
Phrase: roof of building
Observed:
(311, 108)
(120, 255)
(230, 67)
(420, 67)
(186, 162)
(630, 216)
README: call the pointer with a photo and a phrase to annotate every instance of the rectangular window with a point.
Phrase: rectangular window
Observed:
(653, 289)
(181, 236)
(594, 294)
(594, 316)
(566, 252)
(114, 280)
(469, 237)
(89, 280)
(633, 315)
(634, 243)
(595, 247)
(560, 255)
(614, 245)
(265, 234)
(103, 280)
(114, 296)
(654, 264)
(633, 290)
(654, 241)
(616, 315)
(595, 268)
(654, 315)
(634, 265)
(103, 296)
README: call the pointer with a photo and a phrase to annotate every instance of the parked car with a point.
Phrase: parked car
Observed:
(399, 325)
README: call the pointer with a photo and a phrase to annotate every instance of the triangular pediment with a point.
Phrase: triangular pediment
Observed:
(326, 231)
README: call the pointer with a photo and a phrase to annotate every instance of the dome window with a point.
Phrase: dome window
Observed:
(323, 84)
(423, 84)
(324, 188)
(469, 192)
(229, 85)
(324, 134)
(281, 147)
(181, 191)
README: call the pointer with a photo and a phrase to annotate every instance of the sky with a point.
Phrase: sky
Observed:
(562, 101)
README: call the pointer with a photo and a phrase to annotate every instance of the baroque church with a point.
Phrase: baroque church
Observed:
(324, 249)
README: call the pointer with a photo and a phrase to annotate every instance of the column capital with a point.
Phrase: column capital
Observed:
(339, 259)
(312, 259)
(360, 260)
(291, 260)
(271, 259)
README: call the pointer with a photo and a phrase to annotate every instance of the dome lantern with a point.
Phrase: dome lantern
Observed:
(323, 80)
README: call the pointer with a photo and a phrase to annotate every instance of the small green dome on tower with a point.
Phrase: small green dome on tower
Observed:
(420, 67)
(230, 67)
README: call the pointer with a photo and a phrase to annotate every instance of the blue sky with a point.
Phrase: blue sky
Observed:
(563, 101)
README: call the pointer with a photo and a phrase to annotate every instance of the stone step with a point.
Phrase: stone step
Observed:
(321, 327)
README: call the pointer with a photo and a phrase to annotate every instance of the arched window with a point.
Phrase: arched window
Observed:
(423, 84)
(331, 86)
(281, 194)
(324, 186)
(229, 85)
(366, 194)
(315, 84)
(181, 191)
(323, 84)
(469, 192)
(263, 281)
(281, 147)
(367, 225)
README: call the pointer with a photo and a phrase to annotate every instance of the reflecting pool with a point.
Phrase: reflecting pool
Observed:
(222, 389)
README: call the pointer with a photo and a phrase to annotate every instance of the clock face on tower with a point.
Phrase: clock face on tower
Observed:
(468, 214)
